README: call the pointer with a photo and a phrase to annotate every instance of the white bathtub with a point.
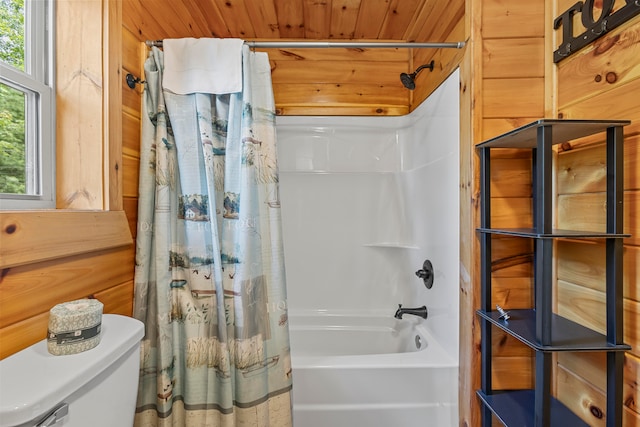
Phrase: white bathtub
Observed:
(356, 370)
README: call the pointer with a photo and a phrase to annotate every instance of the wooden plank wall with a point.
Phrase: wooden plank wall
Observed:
(49, 257)
(445, 60)
(79, 85)
(133, 55)
(339, 81)
(306, 81)
(514, 82)
(320, 81)
(28, 291)
(601, 81)
(508, 87)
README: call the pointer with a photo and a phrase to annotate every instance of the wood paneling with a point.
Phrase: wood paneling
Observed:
(583, 263)
(317, 19)
(49, 257)
(337, 55)
(443, 17)
(291, 18)
(587, 307)
(130, 135)
(131, 167)
(117, 299)
(513, 267)
(335, 94)
(111, 101)
(511, 212)
(28, 293)
(587, 212)
(32, 237)
(513, 58)
(261, 11)
(512, 293)
(298, 19)
(135, 53)
(317, 77)
(494, 127)
(600, 81)
(130, 51)
(508, 252)
(517, 172)
(585, 170)
(503, 19)
(591, 367)
(609, 62)
(522, 97)
(506, 345)
(581, 397)
(512, 373)
(303, 72)
(320, 81)
(631, 389)
(445, 61)
(331, 109)
(344, 15)
(509, 76)
(65, 279)
(618, 103)
(131, 100)
(18, 336)
(131, 210)
(469, 357)
(399, 17)
(79, 86)
(181, 12)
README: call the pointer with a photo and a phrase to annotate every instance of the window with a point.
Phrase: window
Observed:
(27, 105)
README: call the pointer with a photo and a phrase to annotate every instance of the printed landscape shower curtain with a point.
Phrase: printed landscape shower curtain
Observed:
(209, 279)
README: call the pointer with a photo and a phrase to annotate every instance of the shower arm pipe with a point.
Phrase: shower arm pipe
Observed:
(347, 45)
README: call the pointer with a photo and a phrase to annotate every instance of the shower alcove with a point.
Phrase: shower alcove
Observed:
(365, 200)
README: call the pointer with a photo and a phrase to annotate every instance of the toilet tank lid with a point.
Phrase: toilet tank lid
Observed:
(33, 381)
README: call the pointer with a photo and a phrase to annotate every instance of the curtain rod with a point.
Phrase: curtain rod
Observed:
(317, 44)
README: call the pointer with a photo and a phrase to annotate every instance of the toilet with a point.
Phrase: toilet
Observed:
(96, 388)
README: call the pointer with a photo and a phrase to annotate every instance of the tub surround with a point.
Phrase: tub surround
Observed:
(365, 200)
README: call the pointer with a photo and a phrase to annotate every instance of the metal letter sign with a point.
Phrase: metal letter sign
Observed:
(595, 28)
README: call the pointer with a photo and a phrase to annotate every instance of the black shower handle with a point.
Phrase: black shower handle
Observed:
(426, 274)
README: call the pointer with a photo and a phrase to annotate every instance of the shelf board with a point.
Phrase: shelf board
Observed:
(565, 334)
(563, 131)
(516, 409)
(555, 234)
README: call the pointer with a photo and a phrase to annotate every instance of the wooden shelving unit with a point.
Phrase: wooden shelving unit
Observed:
(539, 328)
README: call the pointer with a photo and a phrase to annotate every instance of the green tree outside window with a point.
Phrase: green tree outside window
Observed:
(12, 101)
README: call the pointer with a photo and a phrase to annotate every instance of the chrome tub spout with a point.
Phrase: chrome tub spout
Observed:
(420, 311)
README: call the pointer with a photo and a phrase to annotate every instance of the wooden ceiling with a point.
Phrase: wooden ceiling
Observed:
(335, 81)
(389, 20)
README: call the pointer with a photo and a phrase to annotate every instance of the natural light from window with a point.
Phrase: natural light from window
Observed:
(27, 135)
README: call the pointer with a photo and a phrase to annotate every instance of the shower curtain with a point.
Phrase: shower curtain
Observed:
(209, 278)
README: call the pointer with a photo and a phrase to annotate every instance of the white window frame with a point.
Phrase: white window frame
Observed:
(37, 83)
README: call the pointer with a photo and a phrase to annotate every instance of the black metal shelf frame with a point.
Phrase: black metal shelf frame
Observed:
(540, 328)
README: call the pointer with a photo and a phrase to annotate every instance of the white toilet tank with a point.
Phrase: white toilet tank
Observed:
(95, 388)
